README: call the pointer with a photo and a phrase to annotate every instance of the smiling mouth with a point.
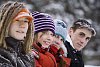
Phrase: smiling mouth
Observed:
(20, 31)
(47, 43)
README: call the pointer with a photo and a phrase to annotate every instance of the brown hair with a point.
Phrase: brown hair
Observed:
(81, 23)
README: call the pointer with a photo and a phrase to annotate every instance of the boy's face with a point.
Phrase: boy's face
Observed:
(80, 37)
(58, 41)
(18, 28)
(45, 39)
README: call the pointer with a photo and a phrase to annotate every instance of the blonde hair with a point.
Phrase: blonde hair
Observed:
(7, 13)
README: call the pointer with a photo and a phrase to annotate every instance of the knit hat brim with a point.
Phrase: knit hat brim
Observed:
(24, 14)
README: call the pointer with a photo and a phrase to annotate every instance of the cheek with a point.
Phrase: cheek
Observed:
(52, 39)
(11, 30)
(85, 43)
(74, 38)
(40, 39)
(27, 26)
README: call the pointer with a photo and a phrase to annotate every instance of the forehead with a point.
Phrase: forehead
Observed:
(85, 31)
(49, 32)
(23, 18)
(58, 36)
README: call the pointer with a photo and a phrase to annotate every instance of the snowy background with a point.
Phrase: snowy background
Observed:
(69, 11)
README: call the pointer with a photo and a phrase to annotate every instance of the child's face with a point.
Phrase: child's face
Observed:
(58, 41)
(45, 39)
(18, 28)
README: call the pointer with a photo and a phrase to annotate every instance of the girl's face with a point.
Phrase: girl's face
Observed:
(58, 41)
(45, 39)
(18, 28)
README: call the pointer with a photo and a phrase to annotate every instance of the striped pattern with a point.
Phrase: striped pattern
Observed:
(43, 21)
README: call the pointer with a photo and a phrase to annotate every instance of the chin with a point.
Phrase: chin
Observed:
(45, 47)
(18, 38)
(79, 49)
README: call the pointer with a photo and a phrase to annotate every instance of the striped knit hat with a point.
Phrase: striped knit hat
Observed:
(43, 21)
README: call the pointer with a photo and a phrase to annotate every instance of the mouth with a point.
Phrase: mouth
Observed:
(56, 43)
(80, 45)
(20, 31)
(47, 43)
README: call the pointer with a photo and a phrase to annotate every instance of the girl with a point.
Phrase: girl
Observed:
(58, 48)
(43, 38)
(15, 35)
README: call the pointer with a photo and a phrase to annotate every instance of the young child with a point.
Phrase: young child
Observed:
(58, 48)
(43, 38)
(16, 29)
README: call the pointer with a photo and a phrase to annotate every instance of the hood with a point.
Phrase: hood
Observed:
(7, 13)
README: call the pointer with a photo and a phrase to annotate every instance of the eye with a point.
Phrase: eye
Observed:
(62, 40)
(88, 38)
(16, 20)
(81, 34)
(26, 21)
(56, 36)
(52, 35)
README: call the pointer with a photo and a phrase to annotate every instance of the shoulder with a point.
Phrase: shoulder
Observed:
(6, 57)
(7, 52)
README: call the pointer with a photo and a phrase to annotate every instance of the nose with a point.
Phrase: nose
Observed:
(82, 40)
(22, 25)
(50, 38)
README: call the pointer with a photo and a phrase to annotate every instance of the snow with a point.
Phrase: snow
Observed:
(91, 66)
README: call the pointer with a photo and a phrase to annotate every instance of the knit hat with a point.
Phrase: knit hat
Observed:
(43, 21)
(24, 13)
(60, 28)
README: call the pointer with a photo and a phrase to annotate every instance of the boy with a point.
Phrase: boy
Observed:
(78, 36)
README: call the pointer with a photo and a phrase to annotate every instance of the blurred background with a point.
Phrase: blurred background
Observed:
(69, 11)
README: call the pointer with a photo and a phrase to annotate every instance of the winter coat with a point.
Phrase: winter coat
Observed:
(60, 59)
(13, 56)
(43, 58)
(76, 56)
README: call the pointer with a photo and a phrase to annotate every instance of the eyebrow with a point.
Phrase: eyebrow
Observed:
(82, 33)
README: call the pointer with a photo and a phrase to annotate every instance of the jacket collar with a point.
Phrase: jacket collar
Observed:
(15, 44)
(69, 40)
(39, 48)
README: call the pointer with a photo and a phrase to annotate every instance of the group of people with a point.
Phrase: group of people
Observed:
(35, 39)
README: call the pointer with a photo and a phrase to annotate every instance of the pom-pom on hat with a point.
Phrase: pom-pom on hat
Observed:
(43, 21)
(60, 28)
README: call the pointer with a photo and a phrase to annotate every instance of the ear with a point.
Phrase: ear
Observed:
(70, 31)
